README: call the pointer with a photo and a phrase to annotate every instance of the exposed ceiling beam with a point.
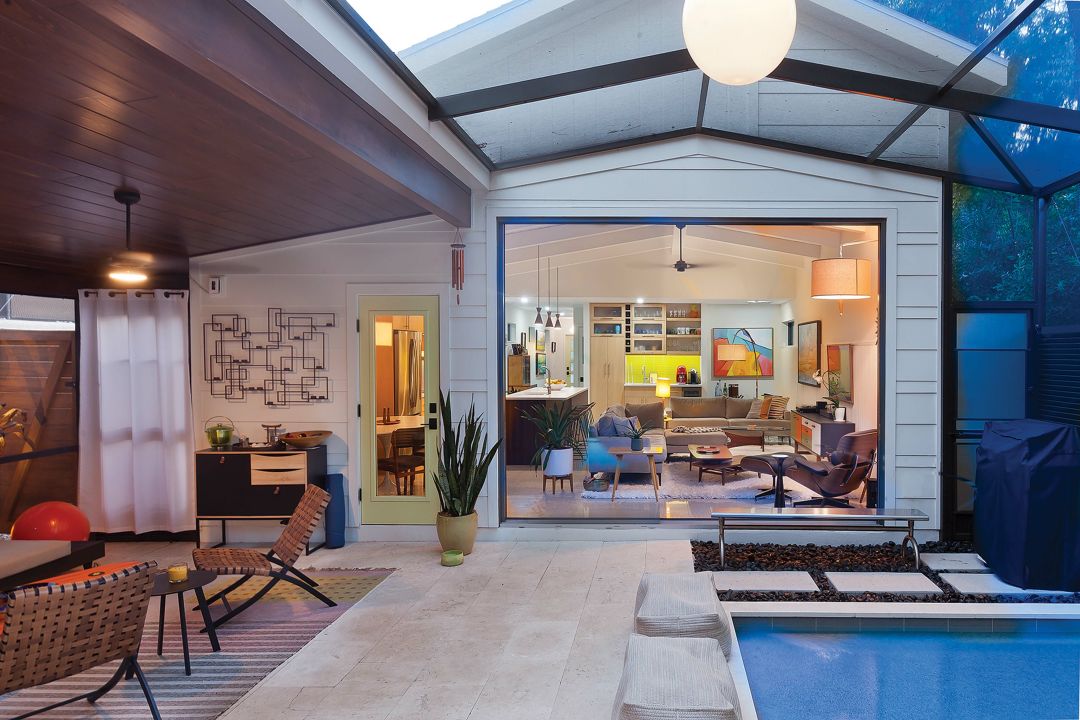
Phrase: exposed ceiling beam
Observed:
(748, 238)
(233, 46)
(1019, 15)
(553, 236)
(790, 70)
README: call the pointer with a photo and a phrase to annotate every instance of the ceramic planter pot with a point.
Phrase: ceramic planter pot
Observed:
(559, 463)
(456, 533)
(637, 443)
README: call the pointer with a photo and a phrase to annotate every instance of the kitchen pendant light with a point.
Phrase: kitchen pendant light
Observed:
(539, 321)
(549, 323)
(558, 315)
(129, 273)
(738, 42)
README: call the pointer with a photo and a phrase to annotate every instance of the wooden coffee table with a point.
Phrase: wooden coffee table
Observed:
(649, 451)
(720, 463)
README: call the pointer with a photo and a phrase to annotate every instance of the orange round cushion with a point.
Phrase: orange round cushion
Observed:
(53, 520)
(91, 574)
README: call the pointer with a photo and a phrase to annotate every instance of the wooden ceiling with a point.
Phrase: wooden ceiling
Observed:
(233, 135)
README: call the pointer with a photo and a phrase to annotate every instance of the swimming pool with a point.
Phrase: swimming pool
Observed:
(911, 674)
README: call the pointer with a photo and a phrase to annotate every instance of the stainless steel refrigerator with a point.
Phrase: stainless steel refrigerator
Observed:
(408, 372)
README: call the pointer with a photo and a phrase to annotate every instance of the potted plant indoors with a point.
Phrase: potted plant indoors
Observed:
(636, 434)
(464, 459)
(561, 435)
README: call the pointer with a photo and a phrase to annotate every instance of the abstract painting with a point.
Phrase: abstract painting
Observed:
(759, 352)
(839, 362)
(809, 352)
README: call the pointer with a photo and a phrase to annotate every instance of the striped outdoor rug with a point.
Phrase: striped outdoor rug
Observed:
(252, 645)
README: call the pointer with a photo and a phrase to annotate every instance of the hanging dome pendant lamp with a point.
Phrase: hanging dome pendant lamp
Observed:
(738, 42)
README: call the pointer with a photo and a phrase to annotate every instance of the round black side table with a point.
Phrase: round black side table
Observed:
(197, 579)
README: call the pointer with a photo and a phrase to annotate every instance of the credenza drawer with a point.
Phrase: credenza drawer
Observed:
(278, 477)
(279, 461)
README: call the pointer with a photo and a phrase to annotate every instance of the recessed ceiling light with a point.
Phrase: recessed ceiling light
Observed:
(127, 275)
(640, 301)
(524, 300)
(758, 302)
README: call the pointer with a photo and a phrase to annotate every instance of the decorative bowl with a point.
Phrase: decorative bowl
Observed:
(304, 439)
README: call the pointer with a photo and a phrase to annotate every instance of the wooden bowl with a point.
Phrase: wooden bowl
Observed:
(304, 439)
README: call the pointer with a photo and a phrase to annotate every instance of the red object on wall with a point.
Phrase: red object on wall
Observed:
(680, 375)
(53, 520)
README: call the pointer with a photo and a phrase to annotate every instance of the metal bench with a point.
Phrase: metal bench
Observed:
(813, 518)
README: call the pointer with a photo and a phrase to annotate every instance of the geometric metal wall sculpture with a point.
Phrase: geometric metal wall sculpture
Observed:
(285, 364)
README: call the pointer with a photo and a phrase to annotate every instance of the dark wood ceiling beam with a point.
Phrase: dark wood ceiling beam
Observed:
(229, 44)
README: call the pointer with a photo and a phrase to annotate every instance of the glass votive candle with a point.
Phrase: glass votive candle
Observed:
(178, 573)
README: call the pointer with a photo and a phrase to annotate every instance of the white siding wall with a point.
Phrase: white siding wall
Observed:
(705, 177)
(690, 177)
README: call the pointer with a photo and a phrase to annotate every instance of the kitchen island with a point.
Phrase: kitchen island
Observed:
(521, 435)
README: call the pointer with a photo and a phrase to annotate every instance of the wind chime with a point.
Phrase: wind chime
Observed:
(457, 264)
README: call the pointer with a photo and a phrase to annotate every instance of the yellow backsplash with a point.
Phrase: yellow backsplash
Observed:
(662, 365)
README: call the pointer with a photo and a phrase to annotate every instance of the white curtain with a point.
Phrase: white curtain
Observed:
(136, 462)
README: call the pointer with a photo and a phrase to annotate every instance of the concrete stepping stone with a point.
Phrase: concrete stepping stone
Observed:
(764, 581)
(953, 562)
(900, 583)
(989, 584)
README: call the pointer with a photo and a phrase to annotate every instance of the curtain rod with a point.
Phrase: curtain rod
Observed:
(138, 293)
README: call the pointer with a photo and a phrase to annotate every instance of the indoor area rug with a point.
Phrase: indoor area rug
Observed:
(252, 645)
(680, 482)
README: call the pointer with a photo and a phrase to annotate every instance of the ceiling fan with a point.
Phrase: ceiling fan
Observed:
(131, 266)
(681, 265)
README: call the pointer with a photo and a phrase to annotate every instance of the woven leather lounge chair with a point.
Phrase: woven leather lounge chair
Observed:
(276, 564)
(844, 470)
(55, 631)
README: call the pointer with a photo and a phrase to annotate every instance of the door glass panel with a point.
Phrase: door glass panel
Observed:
(399, 401)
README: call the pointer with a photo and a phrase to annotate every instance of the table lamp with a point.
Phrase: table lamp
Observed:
(663, 388)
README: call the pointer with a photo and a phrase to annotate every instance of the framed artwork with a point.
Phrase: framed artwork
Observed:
(541, 364)
(809, 352)
(839, 362)
(758, 361)
(541, 337)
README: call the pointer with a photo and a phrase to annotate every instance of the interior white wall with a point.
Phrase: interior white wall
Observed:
(748, 316)
(858, 326)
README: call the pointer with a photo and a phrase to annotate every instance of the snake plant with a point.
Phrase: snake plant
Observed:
(463, 460)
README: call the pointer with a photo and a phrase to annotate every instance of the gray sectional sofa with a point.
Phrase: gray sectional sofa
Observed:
(720, 412)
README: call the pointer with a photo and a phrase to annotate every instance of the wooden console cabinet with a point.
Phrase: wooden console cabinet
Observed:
(254, 483)
(816, 433)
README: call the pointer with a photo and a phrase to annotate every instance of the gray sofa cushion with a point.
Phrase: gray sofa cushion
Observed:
(738, 407)
(703, 407)
(675, 679)
(651, 415)
(681, 605)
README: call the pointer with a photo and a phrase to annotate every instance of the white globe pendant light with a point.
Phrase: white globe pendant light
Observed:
(738, 42)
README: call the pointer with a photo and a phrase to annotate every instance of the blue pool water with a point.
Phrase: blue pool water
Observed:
(912, 675)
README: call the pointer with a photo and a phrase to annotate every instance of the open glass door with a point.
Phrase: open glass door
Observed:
(399, 396)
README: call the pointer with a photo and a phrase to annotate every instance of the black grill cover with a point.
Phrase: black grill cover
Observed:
(1027, 503)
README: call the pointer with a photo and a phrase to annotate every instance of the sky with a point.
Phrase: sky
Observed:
(403, 23)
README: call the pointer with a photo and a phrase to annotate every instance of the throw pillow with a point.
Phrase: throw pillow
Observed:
(766, 403)
(777, 407)
(605, 426)
(623, 426)
(651, 415)
(755, 408)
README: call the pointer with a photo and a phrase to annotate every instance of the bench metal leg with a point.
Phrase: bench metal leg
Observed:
(910, 537)
(721, 543)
